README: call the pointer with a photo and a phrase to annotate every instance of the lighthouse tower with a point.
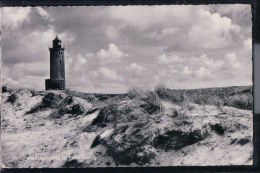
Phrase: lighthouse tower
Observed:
(57, 67)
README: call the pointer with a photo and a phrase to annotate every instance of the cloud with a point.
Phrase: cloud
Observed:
(135, 68)
(238, 13)
(203, 73)
(112, 32)
(212, 31)
(77, 64)
(44, 13)
(7, 81)
(163, 59)
(15, 16)
(130, 16)
(32, 69)
(112, 55)
(232, 60)
(186, 70)
(204, 60)
(248, 44)
(33, 47)
(163, 33)
(134, 71)
(106, 74)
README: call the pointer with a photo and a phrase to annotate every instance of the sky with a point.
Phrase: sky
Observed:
(110, 49)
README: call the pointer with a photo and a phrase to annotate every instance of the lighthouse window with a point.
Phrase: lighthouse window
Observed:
(60, 62)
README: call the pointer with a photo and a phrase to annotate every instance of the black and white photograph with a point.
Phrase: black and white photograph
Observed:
(126, 86)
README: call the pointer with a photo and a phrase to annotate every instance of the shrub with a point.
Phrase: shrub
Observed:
(68, 100)
(218, 128)
(12, 98)
(56, 114)
(242, 101)
(77, 109)
(152, 103)
(217, 101)
(243, 141)
(162, 92)
(136, 93)
(50, 100)
(171, 95)
(4, 89)
(129, 147)
(177, 139)
(74, 163)
(106, 114)
(96, 141)
(199, 98)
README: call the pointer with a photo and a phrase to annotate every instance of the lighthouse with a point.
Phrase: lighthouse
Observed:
(57, 67)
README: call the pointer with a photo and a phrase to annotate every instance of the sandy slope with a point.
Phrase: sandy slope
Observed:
(36, 140)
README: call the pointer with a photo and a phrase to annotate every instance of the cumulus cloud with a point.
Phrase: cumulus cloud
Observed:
(232, 60)
(105, 74)
(109, 74)
(44, 13)
(135, 68)
(112, 32)
(34, 68)
(163, 33)
(164, 59)
(158, 15)
(186, 70)
(112, 55)
(33, 47)
(204, 60)
(7, 81)
(77, 64)
(203, 73)
(16, 16)
(213, 31)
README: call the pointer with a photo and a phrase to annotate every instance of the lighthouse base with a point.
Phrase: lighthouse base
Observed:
(55, 84)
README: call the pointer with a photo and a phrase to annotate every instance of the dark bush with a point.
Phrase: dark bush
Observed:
(127, 148)
(177, 139)
(77, 109)
(144, 154)
(91, 111)
(50, 100)
(242, 101)
(218, 128)
(96, 141)
(56, 114)
(4, 89)
(171, 95)
(135, 93)
(162, 92)
(12, 98)
(68, 100)
(72, 164)
(243, 141)
(106, 114)
(152, 103)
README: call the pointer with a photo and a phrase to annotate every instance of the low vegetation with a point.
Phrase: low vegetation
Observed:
(238, 97)
(139, 126)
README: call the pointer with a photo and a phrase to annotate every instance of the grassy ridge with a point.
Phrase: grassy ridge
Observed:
(238, 96)
(235, 96)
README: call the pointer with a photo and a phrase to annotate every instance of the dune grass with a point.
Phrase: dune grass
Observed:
(242, 99)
